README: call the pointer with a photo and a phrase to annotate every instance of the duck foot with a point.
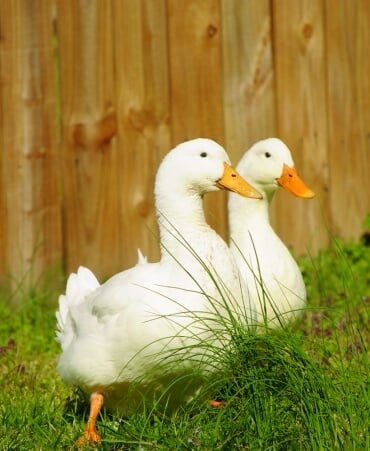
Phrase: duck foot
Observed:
(217, 403)
(90, 433)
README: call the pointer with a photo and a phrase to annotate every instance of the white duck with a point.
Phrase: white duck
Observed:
(273, 277)
(114, 336)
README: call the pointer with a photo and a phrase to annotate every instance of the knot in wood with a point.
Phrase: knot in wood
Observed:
(95, 134)
(211, 30)
(307, 31)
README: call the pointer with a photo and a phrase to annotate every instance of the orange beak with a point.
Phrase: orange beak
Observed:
(291, 181)
(233, 181)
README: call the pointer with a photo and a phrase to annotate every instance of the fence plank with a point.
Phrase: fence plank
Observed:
(196, 87)
(348, 66)
(31, 229)
(89, 144)
(143, 112)
(247, 65)
(299, 51)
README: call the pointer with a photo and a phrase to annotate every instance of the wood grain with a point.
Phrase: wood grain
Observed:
(31, 209)
(196, 83)
(248, 74)
(142, 88)
(301, 111)
(348, 86)
(92, 235)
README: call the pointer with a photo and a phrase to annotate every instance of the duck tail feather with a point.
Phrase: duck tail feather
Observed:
(79, 285)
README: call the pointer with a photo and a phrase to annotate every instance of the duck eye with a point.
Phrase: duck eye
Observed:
(267, 154)
(203, 154)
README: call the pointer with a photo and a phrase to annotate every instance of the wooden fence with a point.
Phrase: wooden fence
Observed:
(94, 93)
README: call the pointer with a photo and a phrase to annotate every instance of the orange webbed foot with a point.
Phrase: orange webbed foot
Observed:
(217, 403)
(91, 435)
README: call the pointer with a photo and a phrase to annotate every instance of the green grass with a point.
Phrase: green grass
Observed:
(306, 388)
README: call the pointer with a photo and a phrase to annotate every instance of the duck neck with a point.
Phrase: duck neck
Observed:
(247, 215)
(181, 222)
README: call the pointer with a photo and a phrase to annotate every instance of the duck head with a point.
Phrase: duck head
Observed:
(200, 166)
(268, 164)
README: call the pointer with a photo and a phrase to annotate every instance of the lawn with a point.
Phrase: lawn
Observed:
(306, 388)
